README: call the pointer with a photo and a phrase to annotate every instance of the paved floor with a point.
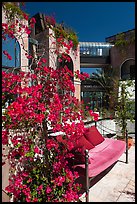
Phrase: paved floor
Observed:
(116, 184)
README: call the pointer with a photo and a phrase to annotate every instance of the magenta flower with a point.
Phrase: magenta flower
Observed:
(37, 150)
(48, 190)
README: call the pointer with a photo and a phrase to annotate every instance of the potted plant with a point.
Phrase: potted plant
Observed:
(124, 109)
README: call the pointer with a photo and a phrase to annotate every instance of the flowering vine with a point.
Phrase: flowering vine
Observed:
(40, 170)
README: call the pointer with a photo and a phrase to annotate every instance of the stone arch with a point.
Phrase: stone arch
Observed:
(127, 69)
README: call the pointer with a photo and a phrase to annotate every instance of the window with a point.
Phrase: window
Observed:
(128, 69)
(13, 48)
(99, 52)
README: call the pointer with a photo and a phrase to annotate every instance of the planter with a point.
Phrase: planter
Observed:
(130, 141)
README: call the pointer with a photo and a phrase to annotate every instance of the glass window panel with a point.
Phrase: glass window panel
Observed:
(13, 48)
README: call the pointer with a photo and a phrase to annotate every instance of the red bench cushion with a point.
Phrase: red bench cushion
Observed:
(102, 156)
(93, 135)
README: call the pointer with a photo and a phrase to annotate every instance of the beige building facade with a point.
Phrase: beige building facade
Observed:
(22, 63)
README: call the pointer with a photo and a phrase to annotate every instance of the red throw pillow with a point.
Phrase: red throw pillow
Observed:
(80, 145)
(93, 135)
(83, 143)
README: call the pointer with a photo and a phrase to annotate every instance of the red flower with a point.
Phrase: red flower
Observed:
(27, 30)
(59, 181)
(43, 60)
(94, 115)
(40, 187)
(35, 200)
(9, 57)
(25, 16)
(32, 20)
(59, 60)
(4, 137)
(5, 52)
(51, 144)
(48, 190)
(28, 200)
(37, 150)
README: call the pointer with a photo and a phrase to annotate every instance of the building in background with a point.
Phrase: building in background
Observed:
(123, 58)
(116, 58)
(94, 56)
(122, 54)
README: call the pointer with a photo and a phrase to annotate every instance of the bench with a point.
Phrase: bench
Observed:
(103, 153)
(98, 153)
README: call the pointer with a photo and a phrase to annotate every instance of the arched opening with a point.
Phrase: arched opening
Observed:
(62, 61)
(128, 69)
(65, 60)
(12, 47)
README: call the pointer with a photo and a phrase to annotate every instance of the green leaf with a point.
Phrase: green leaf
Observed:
(29, 154)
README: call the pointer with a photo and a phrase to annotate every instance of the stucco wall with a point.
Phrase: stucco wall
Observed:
(24, 41)
(24, 67)
(5, 175)
(77, 90)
